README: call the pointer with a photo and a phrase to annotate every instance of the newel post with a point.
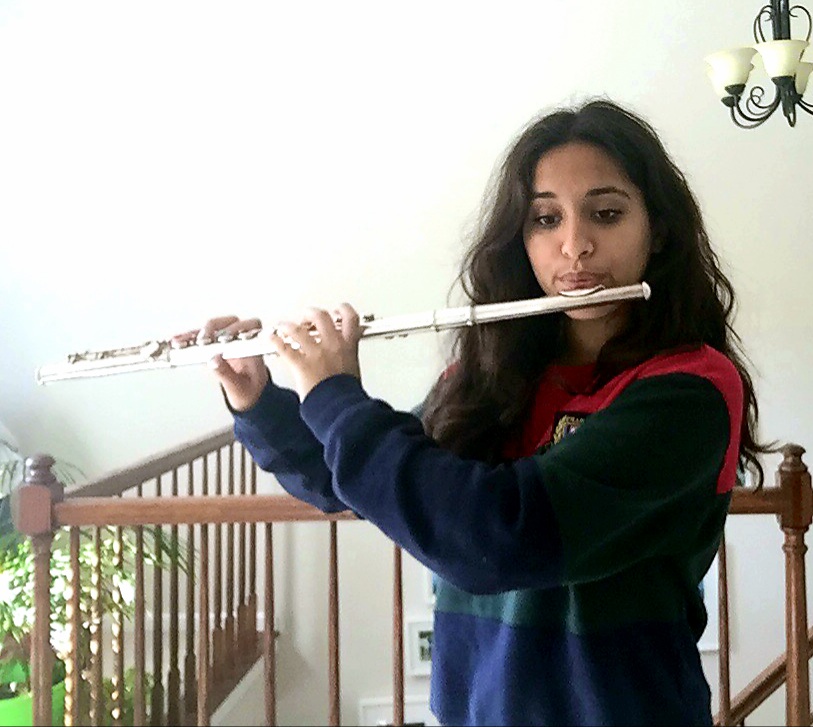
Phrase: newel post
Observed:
(794, 480)
(31, 513)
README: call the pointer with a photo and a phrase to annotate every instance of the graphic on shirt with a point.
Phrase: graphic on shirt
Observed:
(566, 423)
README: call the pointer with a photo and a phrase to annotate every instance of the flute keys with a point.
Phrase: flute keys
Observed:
(247, 335)
(151, 349)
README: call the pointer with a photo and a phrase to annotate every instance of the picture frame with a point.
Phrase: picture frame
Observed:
(710, 639)
(418, 634)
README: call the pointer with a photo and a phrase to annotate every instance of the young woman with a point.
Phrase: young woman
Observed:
(570, 475)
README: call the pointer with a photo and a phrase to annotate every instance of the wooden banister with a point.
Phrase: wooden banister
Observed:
(121, 480)
(223, 629)
(183, 510)
(222, 639)
(762, 686)
(791, 500)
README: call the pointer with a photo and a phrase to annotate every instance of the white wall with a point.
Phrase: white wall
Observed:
(164, 162)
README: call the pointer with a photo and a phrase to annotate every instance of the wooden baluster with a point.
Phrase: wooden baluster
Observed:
(139, 646)
(794, 480)
(42, 662)
(218, 634)
(117, 642)
(97, 700)
(333, 631)
(253, 641)
(231, 652)
(397, 641)
(269, 633)
(73, 665)
(157, 700)
(205, 668)
(31, 507)
(174, 675)
(242, 616)
(190, 680)
(724, 712)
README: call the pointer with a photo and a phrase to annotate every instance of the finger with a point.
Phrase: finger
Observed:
(185, 338)
(237, 329)
(242, 388)
(295, 336)
(235, 381)
(350, 328)
(322, 322)
(224, 372)
(284, 346)
(199, 335)
(208, 331)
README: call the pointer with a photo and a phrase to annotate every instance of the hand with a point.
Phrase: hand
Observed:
(331, 351)
(242, 379)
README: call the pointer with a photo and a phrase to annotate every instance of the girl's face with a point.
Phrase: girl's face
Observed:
(587, 225)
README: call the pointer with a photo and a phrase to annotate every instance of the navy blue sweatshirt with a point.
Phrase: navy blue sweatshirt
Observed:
(568, 576)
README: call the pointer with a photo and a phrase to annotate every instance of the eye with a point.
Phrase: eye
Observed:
(545, 220)
(608, 215)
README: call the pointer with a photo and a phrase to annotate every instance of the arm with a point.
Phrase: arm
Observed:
(280, 442)
(637, 480)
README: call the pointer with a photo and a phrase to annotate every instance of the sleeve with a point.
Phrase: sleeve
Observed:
(279, 442)
(636, 480)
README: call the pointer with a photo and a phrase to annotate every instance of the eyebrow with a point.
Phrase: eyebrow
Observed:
(597, 192)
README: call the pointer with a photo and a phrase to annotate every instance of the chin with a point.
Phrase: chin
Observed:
(595, 313)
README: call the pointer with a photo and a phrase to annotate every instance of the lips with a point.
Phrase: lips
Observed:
(577, 281)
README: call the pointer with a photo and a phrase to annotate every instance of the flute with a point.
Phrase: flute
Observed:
(164, 355)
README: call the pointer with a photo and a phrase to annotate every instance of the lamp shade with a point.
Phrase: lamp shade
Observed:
(719, 86)
(730, 67)
(781, 57)
(802, 76)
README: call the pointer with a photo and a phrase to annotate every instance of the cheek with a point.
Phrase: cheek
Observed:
(540, 259)
(539, 250)
(636, 257)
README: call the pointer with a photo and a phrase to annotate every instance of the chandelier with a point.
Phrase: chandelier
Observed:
(782, 58)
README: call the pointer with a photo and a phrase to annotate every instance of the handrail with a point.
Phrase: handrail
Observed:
(752, 501)
(764, 685)
(189, 510)
(119, 481)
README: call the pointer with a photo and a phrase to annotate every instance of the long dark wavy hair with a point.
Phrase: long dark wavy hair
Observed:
(484, 397)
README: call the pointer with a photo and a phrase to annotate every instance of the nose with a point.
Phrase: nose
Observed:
(576, 242)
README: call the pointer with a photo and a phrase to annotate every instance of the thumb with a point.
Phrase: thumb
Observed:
(236, 386)
(227, 376)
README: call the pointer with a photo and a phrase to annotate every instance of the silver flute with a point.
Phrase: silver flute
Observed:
(167, 354)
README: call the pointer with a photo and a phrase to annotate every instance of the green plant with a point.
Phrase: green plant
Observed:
(116, 586)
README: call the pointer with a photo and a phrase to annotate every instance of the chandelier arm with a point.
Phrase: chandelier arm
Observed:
(804, 106)
(759, 36)
(749, 114)
(752, 123)
(754, 98)
(745, 116)
(809, 19)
